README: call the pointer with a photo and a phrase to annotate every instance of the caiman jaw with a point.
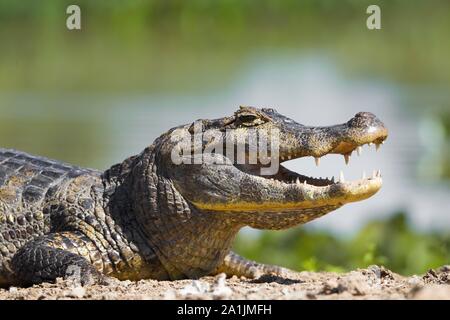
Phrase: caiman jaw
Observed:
(301, 192)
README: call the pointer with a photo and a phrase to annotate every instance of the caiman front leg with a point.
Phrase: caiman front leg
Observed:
(234, 264)
(65, 254)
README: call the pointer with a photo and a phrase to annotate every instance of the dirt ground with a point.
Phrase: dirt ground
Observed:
(371, 283)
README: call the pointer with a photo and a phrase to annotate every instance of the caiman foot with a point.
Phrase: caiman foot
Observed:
(234, 264)
(45, 259)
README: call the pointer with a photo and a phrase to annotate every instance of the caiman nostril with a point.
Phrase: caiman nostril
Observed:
(364, 120)
(365, 115)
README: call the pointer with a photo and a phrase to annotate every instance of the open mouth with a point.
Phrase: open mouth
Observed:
(266, 185)
(288, 178)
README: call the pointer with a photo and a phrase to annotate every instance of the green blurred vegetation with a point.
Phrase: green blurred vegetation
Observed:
(444, 158)
(435, 135)
(181, 45)
(392, 243)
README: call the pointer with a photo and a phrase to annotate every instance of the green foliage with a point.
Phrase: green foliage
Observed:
(444, 148)
(392, 243)
(201, 43)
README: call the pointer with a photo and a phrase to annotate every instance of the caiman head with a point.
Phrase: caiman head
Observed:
(234, 166)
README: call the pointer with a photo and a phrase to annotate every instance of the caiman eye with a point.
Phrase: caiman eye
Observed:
(249, 119)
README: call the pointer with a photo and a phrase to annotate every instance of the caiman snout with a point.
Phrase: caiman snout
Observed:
(366, 126)
(303, 141)
(363, 128)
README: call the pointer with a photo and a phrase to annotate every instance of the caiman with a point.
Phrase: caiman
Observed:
(151, 217)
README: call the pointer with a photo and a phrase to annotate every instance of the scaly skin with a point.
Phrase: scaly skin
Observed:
(149, 217)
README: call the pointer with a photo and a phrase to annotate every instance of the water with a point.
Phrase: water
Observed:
(100, 130)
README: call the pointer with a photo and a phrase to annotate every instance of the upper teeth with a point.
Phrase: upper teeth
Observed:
(359, 150)
(317, 160)
(347, 158)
